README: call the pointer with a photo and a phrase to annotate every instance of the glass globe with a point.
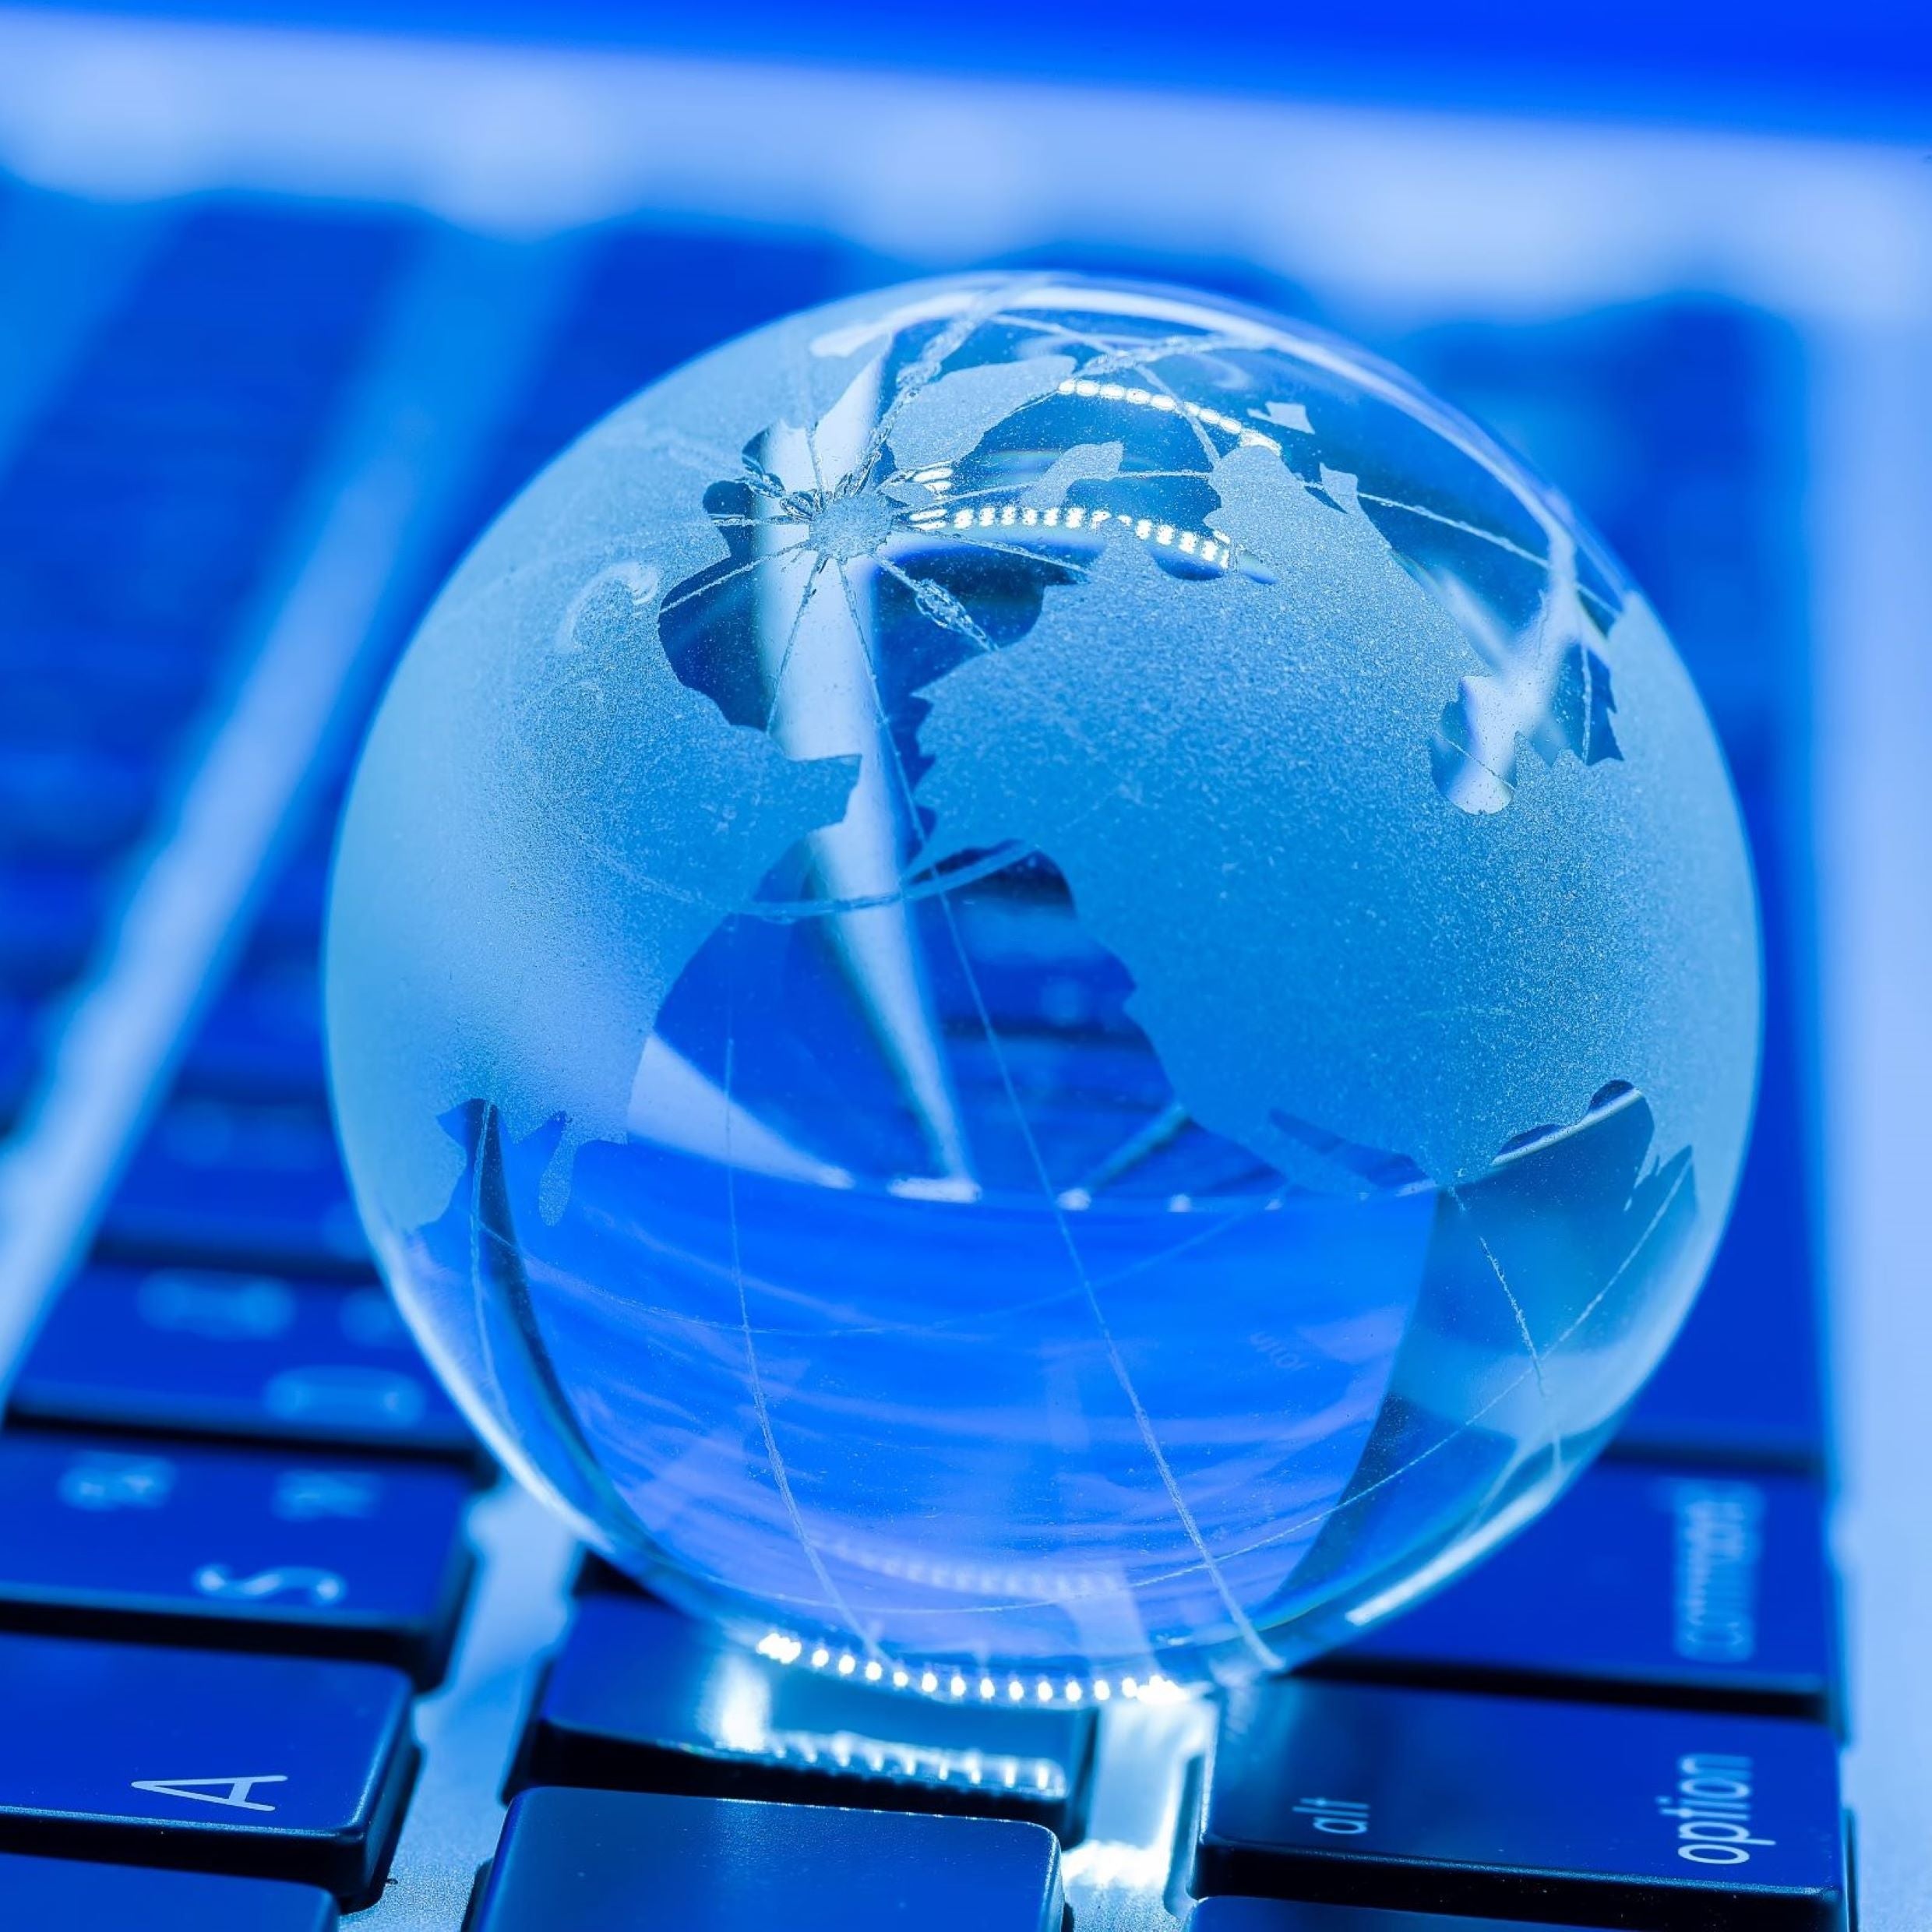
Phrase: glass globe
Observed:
(1037, 977)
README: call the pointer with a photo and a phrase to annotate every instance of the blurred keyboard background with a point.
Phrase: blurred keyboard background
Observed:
(284, 319)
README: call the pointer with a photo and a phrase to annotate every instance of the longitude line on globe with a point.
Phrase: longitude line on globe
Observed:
(754, 1374)
(1509, 1295)
(761, 1406)
(1250, 1636)
(718, 583)
(791, 636)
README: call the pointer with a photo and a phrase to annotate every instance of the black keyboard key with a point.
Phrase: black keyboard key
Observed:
(1677, 1821)
(1285, 1915)
(222, 1182)
(245, 1357)
(39, 1894)
(265, 1767)
(641, 1698)
(159, 1542)
(614, 1861)
(1643, 1585)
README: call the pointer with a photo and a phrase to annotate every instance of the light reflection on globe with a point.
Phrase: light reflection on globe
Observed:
(1030, 978)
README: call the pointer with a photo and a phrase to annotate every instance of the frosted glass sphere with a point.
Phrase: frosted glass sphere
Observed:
(1041, 981)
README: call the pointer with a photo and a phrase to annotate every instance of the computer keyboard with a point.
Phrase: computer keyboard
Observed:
(233, 1499)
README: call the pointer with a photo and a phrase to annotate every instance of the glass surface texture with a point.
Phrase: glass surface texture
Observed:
(1038, 985)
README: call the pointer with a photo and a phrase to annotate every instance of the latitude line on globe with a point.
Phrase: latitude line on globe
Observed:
(1132, 356)
(1502, 1395)
(718, 583)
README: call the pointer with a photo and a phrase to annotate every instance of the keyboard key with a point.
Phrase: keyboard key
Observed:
(62, 799)
(157, 1542)
(613, 1861)
(48, 914)
(120, 697)
(288, 922)
(1642, 1585)
(641, 1698)
(76, 1897)
(264, 1039)
(250, 1357)
(17, 1054)
(265, 1767)
(222, 1182)
(1283, 1914)
(1678, 1821)
(1741, 1383)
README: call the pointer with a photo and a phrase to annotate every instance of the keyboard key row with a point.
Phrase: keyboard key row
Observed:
(606, 1862)
(226, 1182)
(161, 1542)
(145, 484)
(263, 1040)
(263, 1767)
(254, 1357)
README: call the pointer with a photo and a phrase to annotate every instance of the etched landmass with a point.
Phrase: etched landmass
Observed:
(1085, 463)
(1393, 1012)
(1549, 688)
(944, 419)
(1564, 709)
(1240, 765)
